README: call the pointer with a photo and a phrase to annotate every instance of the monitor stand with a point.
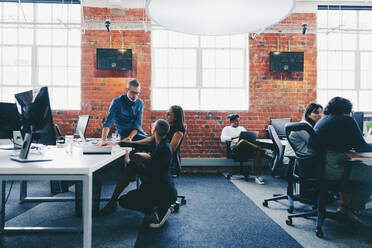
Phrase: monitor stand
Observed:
(24, 157)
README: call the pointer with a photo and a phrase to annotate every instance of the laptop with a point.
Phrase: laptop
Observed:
(81, 126)
(249, 136)
(89, 148)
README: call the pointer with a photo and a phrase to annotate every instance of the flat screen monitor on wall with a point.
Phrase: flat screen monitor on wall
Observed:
(286, 61)
(114, 59)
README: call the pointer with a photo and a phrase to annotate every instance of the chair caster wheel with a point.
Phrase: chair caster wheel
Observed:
(265, 204)
(319, 233)
(183, 201)
(289, 222)
(228, 176)
(290, 209)
(246, 177)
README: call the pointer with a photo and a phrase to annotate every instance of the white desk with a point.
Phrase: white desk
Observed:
(64, 166)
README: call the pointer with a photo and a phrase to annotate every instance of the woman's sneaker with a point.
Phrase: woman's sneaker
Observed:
(160, 218)
(259, 180)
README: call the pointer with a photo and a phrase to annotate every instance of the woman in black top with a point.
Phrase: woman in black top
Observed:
(338, 134)
(175, 118)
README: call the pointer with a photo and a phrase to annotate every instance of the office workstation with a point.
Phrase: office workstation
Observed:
(140, 124)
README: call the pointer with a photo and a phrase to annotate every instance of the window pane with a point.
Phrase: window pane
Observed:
(237, 78)
(366, 61)
(59, 57)
(322, 97)
(45, 76)
(75, 12)
(59, 76)
(10, 36)
(25, 56)
(366, 79)
(237, 59)
(208, 41)
(222, 59)
(8, 94)
(58, 98)
(209, 77)
(44, 13)
(74, 37)
(160, 77)
(209, 59)
(222, 41)
(28, 12)
(60, 14)
(11, 75)
(365, 101)
(44, 55)
(161, 57)
(74, 76)
(189, 58)
(322, 60)
(10, 55)
(163, 98)
(25, 75)
(222, 78)
(175, 58)
(238, 41)
(365, 18)
(74, 57)
(175, 77)
(159, 38)
(44, 36)
(365, 41)
(348, 79)
(26, 36)
(175, 39)
(189, 77)
(60, 37)
(334, 80)
(10, 12)
(215, 99)
(322, 40)
(322, 79)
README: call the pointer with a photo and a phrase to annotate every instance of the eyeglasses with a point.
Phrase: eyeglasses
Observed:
(169, 113)
(134, 92)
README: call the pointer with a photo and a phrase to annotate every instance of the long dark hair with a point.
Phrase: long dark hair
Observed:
(179, 122)
(311, 108)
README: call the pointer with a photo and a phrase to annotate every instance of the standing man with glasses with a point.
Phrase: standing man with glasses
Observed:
(126, 114)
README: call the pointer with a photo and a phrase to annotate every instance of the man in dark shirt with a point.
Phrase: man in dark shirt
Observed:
(126, 114)
(338, 133)
(157, 191)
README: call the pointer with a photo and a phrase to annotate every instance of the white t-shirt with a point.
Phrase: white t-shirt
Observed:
(229, 132)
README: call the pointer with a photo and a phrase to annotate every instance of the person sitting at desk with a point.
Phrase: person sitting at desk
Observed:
(300, 139)
(175, 118)
(126, 114)
(338, 134)
(242, 148)
(157, 191)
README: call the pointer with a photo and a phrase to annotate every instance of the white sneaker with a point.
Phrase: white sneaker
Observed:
(160, 220)
(259, 180)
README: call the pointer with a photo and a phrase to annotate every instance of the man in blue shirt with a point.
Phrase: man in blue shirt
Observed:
(126, 114)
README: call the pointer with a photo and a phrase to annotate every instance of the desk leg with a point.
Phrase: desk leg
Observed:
(87, 213)
(2, 213)
(23, 190)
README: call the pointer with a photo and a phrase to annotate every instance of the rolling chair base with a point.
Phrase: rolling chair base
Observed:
(176, 206)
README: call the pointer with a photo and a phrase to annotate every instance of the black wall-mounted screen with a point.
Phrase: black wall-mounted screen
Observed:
(114, 59)
(286, 61)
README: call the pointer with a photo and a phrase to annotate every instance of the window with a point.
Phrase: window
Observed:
(40, 45)
(199, 72)
(345, 56)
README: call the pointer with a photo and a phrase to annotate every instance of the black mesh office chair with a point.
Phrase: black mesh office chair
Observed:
(319, 183)
(290, 174)
(241, 160)
(176, 170)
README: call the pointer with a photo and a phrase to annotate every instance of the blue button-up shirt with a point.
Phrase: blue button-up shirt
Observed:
(126, 115)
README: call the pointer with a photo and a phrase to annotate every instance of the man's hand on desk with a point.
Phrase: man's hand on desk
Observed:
(127, 139)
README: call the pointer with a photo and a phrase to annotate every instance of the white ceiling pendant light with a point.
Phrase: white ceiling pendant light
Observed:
(218, 17)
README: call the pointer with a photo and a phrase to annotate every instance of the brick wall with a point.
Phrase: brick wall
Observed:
(272, 95)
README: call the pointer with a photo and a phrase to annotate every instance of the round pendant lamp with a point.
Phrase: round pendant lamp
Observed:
(218, 17)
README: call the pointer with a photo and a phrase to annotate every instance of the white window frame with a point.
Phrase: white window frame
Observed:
(199, 75)
(35, 26)
(357, 63)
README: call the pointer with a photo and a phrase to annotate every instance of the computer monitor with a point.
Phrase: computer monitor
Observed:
(36, 121)
(9, 120)
(359, 118)
(279, 126)
(81, 125)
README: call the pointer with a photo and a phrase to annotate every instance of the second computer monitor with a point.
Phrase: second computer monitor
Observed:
(359, 118)
(81, 125)
(9, 120)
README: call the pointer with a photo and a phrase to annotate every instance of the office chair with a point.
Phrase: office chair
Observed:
(241, 160)
(175, 170)
(319, 183)
(291, 176)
